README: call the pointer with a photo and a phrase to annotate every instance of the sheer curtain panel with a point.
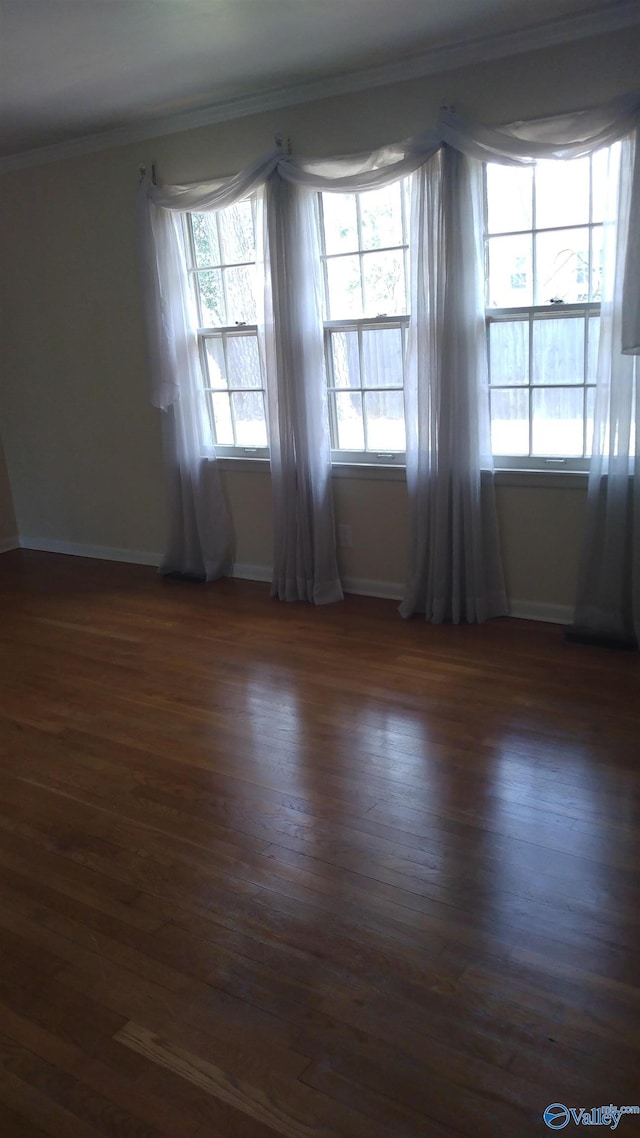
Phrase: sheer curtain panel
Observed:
(608, 605)
(200, 531)
(455, 571)
(199, 538)
(304, 563)
(608, 599)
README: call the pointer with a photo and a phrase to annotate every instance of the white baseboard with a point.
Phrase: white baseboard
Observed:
(100, 552)
(252, 572)
(534, 610)
(388, 590)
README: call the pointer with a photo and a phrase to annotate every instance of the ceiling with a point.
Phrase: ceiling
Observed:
(76, 68)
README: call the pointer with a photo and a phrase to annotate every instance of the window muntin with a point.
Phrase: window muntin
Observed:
(222, 252)
(365, 266)
(544, 278)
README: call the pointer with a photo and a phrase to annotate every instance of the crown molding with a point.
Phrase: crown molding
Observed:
(463, 54)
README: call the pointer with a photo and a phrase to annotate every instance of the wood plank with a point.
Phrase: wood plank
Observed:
(314, 1117)
(273, 871)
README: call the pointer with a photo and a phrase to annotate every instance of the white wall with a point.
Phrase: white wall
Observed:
(83, 444)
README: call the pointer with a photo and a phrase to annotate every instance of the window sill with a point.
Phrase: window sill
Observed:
(361, 471)
(545, 479)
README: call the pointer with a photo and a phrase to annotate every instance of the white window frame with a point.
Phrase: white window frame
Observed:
(206, 332)
(531, 313)
(366, 457)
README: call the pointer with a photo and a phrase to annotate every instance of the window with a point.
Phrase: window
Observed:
(222, 253)
(543, 247)
(543, 274)
(364, 258)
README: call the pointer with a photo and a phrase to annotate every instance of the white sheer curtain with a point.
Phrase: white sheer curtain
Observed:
(200, 532)
(455, 571)
(300, 424)
(305, 565)
(608, 603)
(200, 536)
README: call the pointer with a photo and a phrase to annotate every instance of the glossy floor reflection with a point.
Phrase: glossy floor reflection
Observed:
(319, 873)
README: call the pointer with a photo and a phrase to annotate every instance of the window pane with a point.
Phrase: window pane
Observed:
(509, 194)
(562, 271)
(214, 354)
(384, 285)
(243, 361)
(237, 233)
(340, 223)
(205, 239)
(562, 192)
(212, 309)
(592, 348)
(384, 413)
(557, 421)
(510, 422)
(382, 357)
(381, 217)
(349, 421)
(248, 412)
(241, 303)
(509, 351)
(346, 365)
(558, 351)
(345, 297)
(510, 273)
(222, 419)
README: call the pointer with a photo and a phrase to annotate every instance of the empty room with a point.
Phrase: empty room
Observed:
(319, 568)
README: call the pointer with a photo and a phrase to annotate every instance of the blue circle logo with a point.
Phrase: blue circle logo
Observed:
(556, 1116)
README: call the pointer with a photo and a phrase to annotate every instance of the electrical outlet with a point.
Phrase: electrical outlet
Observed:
(344, 536)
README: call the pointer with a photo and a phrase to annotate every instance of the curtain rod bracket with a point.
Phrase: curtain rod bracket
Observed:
(143, 172)
(280, 142)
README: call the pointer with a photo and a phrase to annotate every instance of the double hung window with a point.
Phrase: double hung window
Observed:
(544, 284)
(222, 266)
(364, 260)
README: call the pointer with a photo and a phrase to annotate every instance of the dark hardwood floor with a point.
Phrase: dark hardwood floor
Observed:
(318, 873)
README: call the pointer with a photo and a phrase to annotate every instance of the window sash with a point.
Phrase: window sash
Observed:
(366, 454)
(536, 314)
